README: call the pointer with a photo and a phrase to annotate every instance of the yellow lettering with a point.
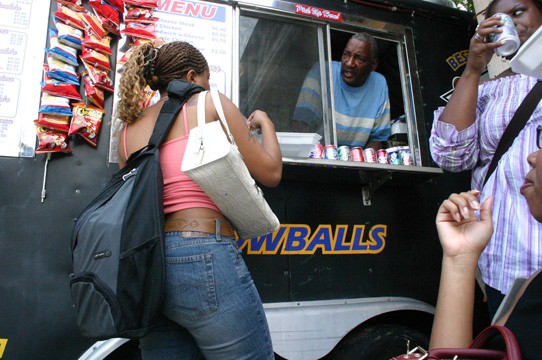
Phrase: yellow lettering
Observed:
(3, 344)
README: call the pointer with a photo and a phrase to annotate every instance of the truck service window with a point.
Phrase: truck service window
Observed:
(275, 56)
(284, 62)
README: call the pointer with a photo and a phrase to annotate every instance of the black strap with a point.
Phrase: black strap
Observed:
(179, 91)
(523, 113)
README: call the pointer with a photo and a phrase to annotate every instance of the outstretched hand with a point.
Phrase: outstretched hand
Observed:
(459, 229)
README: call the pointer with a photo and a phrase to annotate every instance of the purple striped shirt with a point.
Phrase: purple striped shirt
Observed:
(515, 247)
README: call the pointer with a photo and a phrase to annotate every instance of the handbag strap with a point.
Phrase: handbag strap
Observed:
(218, 106)
(179, 91)
(523, 113)
(477, 350)
(512, 346)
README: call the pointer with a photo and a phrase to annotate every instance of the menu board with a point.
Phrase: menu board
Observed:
(23, 34)
(207, 26)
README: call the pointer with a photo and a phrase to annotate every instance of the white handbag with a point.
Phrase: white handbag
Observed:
(214, 162)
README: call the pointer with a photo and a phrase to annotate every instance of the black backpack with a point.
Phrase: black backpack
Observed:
(117, 243)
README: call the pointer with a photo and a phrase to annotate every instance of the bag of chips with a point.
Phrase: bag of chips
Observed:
(140, 30)
(61, 52)
(100, 78)
(68, 35)
(69, 17)
(58, 88)
(93, 93)
(50, 141)
(153, 4)
(102, 45)
(86, 122)
(96, 59)
(93, 24)
(54, 105)
(61, 71)
(53, 122)
(75, 5)
(141, 15)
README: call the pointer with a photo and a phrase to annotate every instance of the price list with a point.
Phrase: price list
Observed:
(207, 26)
(23, 32)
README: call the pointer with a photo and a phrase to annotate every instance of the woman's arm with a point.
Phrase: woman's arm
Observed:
(461, 109)
(463, 238)
(263, 160)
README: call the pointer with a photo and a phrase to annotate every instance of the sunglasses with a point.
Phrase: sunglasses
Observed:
(539, 136)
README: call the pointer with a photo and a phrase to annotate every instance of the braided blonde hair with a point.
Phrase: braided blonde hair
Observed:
(154, 67)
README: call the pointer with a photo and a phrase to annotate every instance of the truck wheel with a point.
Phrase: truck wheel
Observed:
(380, 342)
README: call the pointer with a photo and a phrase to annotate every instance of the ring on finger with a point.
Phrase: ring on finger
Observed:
(478, 37)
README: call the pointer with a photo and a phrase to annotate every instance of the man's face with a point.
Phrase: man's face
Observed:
(356, 63)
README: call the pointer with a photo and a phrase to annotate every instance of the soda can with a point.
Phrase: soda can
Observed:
(382, 156)
(356, 154)
(508, 34)
(317, 152)
(394, 156)
(330, 152)
(343, 153)
(406, 156)
(370, 155)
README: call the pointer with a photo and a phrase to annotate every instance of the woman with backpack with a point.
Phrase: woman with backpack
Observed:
(212, 307)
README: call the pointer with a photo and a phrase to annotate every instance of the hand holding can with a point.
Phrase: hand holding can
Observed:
(508, 35)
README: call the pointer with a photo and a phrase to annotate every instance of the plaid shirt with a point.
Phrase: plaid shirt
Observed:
(515, 247)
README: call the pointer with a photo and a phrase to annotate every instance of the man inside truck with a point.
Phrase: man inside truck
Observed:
(362, 106)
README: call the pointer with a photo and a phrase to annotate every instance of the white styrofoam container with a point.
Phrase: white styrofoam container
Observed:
(297, 144)
(528, 60)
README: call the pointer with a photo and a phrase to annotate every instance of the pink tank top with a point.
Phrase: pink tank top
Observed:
(180, 192)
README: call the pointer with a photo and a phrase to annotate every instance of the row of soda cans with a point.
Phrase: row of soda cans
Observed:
(397, 155)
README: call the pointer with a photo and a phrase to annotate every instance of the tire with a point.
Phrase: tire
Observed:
(380, 342)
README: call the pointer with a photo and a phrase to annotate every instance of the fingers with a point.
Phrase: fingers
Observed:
(489, 26)
(462, 206)
(485, 210)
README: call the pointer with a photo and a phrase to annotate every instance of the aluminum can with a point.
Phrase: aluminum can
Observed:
(317, 152)
(508, 34)
(406, 156)
(394, 156)
(343, 153)
(370, 155)
(330, 152)
(382, 156)
(356, 154)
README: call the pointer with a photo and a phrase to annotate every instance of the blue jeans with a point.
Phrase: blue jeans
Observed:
(212, 303)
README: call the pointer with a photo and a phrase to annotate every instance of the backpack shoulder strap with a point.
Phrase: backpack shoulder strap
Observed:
(179, 91)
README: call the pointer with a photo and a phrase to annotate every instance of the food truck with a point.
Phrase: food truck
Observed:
(353, 270)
